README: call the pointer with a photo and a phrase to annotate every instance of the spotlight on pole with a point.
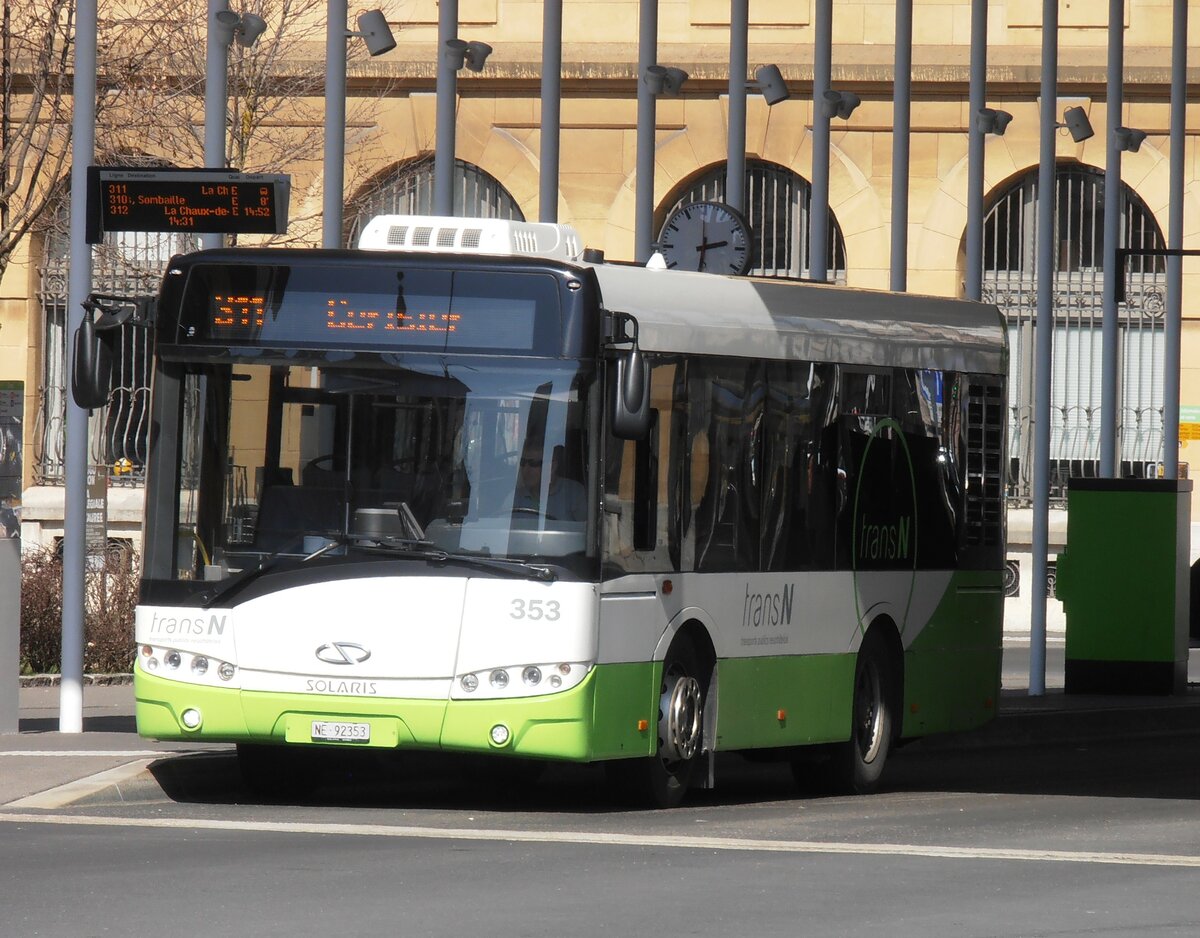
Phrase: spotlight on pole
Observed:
(768, 80)
(375, 32)
(244, 27)
(840, 103)
(664, 80)
(1128, 139)
(1076, 121)
(471, 54)
(992, 121)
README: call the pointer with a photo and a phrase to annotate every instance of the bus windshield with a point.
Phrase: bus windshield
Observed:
(450, 456)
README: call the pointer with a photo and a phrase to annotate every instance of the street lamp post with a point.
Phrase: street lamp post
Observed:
(373, 28)
(453, 54)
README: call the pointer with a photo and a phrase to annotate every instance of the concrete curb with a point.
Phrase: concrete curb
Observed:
(89, 680)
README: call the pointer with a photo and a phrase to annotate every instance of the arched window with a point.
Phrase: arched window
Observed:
(123, 264)
(777, 203)
(1010, 279)
(407, 189)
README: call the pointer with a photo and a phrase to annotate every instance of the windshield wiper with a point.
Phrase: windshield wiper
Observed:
(425, 550)
(265, 564)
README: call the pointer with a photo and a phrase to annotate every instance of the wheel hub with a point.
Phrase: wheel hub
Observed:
(681, 723)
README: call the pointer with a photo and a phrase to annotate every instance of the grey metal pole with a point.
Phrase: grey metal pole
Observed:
(551, 109)
(216, 92)
(1112, 234)
(10, 634)
(818, 217)
(79, 284)
(332, 195)
(977, 95)
(1043, 349)
(1173, 328)
(735, 164)
(647, 112)
(902, 125)
(447, 95)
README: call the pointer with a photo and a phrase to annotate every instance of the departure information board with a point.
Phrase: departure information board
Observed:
(190, 201)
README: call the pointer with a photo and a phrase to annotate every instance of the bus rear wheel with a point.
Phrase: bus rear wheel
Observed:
(862, 758)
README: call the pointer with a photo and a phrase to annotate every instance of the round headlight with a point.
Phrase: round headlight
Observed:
(226, 671)
(151, 664)
(190, 718)
(469, 683)
(532, 675)
(199, 665)
(499, 734)
(499, 678)
(172, 659)
(555, 680)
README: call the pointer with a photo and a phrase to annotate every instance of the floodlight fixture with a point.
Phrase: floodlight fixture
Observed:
(473, 54)
(1128, 139)
(244, 27)
(840, 103)
(1076, 121)
(664, 80)
(375, 32)
(991, 120)
(768, 81)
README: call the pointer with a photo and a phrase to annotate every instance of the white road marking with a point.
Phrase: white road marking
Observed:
(624, 840)
(85, 753)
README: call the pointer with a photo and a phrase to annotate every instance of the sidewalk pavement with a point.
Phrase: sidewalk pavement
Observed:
(109, 753)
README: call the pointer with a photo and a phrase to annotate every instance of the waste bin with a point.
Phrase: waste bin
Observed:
(1125, 585)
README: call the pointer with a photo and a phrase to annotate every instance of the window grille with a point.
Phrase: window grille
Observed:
(1010, 281)
(407, 189)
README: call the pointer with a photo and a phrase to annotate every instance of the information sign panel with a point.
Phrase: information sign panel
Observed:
(191, 201)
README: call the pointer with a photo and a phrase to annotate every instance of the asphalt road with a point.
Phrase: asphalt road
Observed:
(971, 838)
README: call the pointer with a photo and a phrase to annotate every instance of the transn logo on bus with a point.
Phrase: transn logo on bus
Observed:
(343, 653)
(768, 608)
(188, 626)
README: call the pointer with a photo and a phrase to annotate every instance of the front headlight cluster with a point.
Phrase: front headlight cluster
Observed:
(186, 666)
(519, 680)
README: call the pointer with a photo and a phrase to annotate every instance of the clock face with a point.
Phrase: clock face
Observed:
(706, 236)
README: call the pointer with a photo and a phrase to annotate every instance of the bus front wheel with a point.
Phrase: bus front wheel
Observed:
(663, 779)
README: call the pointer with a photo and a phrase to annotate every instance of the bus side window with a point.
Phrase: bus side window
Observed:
(636, 489)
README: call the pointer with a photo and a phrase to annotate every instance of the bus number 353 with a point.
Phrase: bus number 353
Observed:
(535, 609)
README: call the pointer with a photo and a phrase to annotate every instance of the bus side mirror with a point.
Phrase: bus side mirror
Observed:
(631, 396)
(91, 370)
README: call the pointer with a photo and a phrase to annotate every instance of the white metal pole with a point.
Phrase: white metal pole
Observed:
(79, 284)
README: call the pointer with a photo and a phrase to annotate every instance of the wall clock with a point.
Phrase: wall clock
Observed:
(707, 236)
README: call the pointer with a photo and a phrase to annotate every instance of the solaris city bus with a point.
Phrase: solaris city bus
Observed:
(463, 490)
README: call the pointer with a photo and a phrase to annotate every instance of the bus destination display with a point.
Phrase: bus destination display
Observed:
(185, 201)
(238, 313)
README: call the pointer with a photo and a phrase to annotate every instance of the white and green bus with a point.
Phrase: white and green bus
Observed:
(464, 489)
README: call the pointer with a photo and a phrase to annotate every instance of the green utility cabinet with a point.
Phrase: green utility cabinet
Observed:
(1124, 582)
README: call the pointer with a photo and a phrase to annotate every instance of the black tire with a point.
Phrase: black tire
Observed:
(277, 772)
(662, 780)
(861, 760)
